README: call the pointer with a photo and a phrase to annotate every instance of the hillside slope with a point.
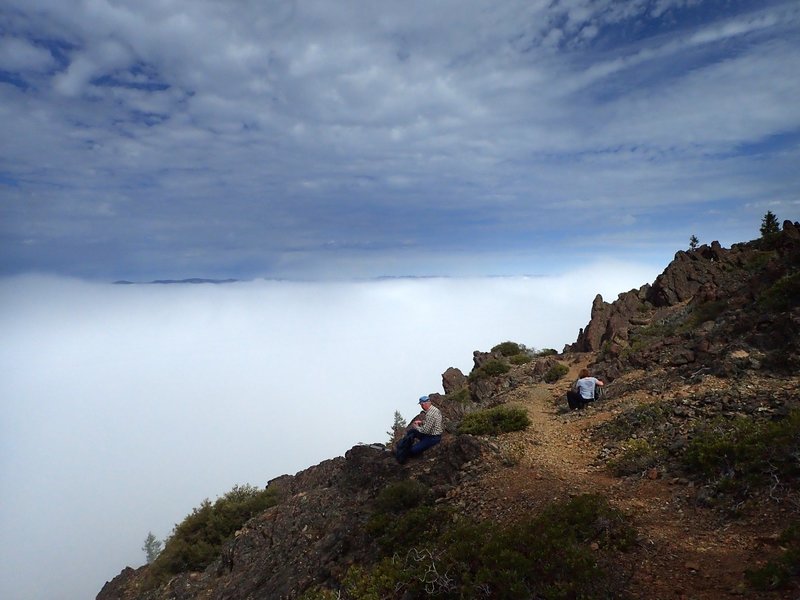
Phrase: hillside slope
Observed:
(696, 443)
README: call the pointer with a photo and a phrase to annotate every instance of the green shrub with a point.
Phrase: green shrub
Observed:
(782, 295)
(402, 495)
(399, 531)
(494, 421)
(556, 372)
(759, 261)
(402, 510)
(659, 329)
(567, 551)
(743, 454)
(644, 418)
(462, 396)
(707, 311)
(508, 348)
(197, 541)
(637, 456)
(520, 359)
(545, 352)
(779, 572)
(490, 368)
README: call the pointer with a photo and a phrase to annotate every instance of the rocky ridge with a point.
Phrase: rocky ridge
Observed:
(715, 336)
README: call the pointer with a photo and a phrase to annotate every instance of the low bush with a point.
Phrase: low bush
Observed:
(782, 295)
(462, 396)
(759, 261)
(520, 359)
(642, 419)
(197, 541)
(659, 329)
(570, 550)
(491, 368)
(707, 311)
(508, 348)
(403, 510)
(779, 572)
(545, 352)
(741, 454)
(556, 372)
(402, 495)
(637, 456)
(494, 421)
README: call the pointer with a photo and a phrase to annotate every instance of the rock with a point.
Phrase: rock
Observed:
(453, 380)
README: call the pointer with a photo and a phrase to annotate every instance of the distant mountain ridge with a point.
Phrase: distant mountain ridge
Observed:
(171, 281)
(712, 345)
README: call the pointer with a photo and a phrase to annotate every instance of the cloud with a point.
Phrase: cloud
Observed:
(17, 54)
(125, 406)
(217, 139)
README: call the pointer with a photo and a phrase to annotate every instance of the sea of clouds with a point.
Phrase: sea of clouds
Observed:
(124, 406)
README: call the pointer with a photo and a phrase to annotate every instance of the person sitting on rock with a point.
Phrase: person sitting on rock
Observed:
(583, 390)
(422, 434)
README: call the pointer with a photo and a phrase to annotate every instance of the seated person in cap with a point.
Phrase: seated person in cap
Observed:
(422, 434)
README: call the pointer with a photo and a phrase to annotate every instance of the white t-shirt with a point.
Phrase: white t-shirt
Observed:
(586, 387)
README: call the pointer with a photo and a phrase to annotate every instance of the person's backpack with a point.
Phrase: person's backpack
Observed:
(599, 392)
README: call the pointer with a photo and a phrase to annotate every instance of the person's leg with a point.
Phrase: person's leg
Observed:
(404, 445)
(425, 442)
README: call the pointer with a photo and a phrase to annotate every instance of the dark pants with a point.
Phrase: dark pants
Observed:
(575, 400)
(407, 446)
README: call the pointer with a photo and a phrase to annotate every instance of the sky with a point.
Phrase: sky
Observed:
(315, 140)
(124, 406)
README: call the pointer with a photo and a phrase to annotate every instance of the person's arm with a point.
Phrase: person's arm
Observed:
(432, 420)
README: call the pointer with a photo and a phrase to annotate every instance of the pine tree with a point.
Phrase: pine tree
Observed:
(398, 427)
(152, 547)
(693, 241)
(769, 224)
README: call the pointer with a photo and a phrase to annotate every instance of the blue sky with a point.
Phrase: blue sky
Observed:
(310, 139)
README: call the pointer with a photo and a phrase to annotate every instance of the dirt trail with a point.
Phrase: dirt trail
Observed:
(685, 552)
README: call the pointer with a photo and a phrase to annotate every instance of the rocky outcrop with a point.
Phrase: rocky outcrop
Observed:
(487, 391)
(317, 530)
(707, 307)
(609, 323)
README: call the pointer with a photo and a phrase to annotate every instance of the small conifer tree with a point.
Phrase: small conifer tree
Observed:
(152, 547)
(769, 224)
(398, 427)
(693, 241)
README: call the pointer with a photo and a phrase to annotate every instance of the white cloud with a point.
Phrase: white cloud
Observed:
(305, 119)
(18, 54)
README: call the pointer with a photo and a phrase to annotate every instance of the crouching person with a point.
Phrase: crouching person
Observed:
(583, 391)
(422, 434)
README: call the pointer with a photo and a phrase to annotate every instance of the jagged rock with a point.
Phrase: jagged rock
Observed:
(121, 586)
(611, 322)
(481, 358)
(453, 380)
